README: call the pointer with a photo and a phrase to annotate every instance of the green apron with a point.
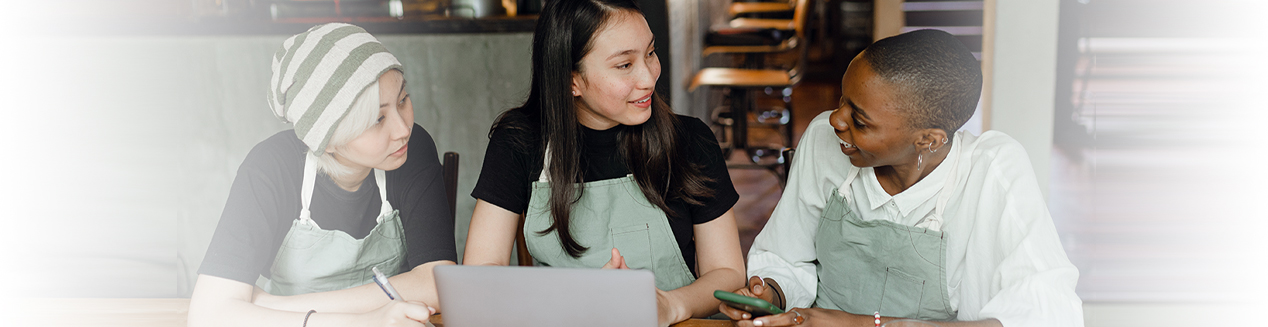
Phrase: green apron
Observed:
(611, 213)
(313, 260)
(881, 266)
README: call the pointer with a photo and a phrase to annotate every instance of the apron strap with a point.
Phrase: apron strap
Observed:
(544, 177)
(310, 179)
(381, 180)
(844, 189)
(306, 189)
(947, 189)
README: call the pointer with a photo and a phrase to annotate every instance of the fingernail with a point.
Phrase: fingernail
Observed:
(745, 316)
(432, 310)
(757, 323)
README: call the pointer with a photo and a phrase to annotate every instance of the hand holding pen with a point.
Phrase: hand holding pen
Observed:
(384, 284)
(399, 307)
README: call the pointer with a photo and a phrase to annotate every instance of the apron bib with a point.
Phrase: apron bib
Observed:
(313, 260)
(882, 266)
(611, 213)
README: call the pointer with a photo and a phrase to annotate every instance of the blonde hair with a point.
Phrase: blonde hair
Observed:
(362, 114)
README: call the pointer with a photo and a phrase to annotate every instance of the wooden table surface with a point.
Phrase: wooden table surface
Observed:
(144, 313)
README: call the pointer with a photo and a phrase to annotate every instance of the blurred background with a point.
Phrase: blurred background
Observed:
(124, 123)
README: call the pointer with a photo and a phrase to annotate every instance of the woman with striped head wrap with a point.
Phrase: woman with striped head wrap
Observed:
(355, 186)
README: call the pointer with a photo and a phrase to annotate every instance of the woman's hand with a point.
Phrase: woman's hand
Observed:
(809, 318)
(617, 261)
(758, 289)
(669, 309)
(398, 313)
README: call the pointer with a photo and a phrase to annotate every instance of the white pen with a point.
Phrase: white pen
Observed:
(380, 279)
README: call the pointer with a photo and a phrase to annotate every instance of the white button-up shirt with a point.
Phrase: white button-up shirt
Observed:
(1004, 259)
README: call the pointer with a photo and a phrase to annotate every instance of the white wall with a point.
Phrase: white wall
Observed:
(685, 42)
(1023, 76)
(120, 150)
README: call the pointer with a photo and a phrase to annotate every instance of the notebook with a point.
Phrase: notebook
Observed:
(478, 296)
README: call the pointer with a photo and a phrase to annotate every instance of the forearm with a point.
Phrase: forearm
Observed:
(416, 285)
(784, 251)
(218, 301)
(977, 323)
(721, 267)
(696, 300)
(242, 313)
(491, 235)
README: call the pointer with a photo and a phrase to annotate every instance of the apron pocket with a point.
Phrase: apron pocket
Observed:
(390, 267)
(902, 294)
(634, 244)
(304, 241)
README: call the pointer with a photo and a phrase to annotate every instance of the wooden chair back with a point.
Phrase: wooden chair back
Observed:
(450, 166)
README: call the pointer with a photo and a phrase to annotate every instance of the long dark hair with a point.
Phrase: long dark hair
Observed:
(563, 36)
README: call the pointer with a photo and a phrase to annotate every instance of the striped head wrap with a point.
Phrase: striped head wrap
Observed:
(319, 73)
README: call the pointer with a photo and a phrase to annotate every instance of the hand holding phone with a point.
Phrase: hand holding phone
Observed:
(755, 306)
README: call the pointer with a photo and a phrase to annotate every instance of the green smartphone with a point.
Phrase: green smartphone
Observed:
(755, 306)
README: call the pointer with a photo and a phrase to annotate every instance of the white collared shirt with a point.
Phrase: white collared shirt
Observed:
(911, 207)
(1004, 259)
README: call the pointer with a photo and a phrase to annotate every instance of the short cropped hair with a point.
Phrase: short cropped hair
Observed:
(934, 73)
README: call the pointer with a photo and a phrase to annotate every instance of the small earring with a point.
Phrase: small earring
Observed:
(931, 147)
(575, 93)
(920, 162)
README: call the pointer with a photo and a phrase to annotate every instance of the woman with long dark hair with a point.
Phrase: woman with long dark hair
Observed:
(604, 173)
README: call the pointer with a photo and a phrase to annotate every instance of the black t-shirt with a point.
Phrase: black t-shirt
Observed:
(265, 199)
(510, 169)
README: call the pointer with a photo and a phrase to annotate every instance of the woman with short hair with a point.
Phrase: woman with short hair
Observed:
(891, 213)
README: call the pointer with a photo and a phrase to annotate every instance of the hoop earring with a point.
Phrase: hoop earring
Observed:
(920, 163)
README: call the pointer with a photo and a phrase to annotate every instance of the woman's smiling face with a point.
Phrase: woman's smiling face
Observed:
(871, 121)
(618, 75)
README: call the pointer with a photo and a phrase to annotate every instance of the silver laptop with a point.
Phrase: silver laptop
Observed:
(479, 296)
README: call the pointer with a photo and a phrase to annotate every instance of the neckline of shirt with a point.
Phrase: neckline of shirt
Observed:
(911, 198)
(606, 138)
(328, 185)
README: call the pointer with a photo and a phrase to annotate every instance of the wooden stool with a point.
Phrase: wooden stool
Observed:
(746, 8)
(754, 75)
(739, 81)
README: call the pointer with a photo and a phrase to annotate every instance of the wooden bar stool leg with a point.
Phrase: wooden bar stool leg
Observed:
(741, 101)
(789, 123)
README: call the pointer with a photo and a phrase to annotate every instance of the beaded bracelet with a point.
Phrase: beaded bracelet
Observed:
(877, 315)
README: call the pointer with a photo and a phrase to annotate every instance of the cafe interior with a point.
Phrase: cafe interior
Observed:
(132, 117)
